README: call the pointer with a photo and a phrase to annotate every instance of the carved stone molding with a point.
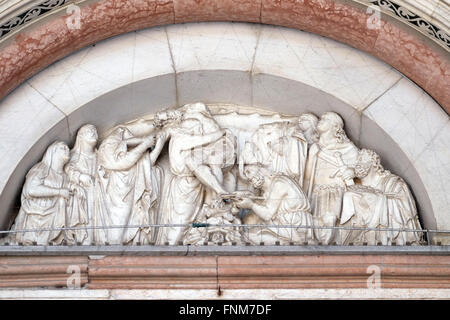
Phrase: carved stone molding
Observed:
(30, 15)
(439, 34)
(28, 11)
(26, 271)
(388, 43)
(269, 272)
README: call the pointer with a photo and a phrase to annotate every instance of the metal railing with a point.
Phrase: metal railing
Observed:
(423, 235)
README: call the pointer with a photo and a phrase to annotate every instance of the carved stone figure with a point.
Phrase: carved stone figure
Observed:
(364, 207)
(282, 203)
(184, 196)
(82, 173)
(401, 208)
(172, 178)
(44, 199)
(280, 147)
(129, 188)
(329, 171)
(307, 122)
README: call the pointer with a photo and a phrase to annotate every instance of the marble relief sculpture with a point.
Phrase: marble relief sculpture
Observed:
(283, 203)
(329, 171)
(45, 197)
(215, 174)
(81, 172)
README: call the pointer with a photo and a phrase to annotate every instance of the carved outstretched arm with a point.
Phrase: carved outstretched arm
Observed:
(160, 142)
(73, 173)
(199, 140)
(129, 159)
(141, 127)
(132, 142)
(207, 178)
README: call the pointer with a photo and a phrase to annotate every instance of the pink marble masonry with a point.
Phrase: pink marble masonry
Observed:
(34, 50)
(325, 17)
(439, 84)
(400, 49)
(217, 10)
(228, 272)
(415, 60)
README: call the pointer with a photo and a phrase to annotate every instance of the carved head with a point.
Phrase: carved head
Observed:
(123, 132)
(254, 175)
(367, 159)
(331, 121)
(57, 152)
(87, 134)
(307, 121)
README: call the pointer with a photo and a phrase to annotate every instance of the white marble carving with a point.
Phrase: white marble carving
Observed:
(45, 197)
(196, 175)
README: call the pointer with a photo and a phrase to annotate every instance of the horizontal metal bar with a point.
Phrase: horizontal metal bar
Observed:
(294, 250)
(197, 225)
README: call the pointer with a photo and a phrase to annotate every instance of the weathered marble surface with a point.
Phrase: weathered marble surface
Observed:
(179, 88)
(287, 179)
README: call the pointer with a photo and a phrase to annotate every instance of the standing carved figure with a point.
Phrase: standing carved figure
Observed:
(81, 171)
(128, 188)
(44, 199)
(329, 170)
(184, 195)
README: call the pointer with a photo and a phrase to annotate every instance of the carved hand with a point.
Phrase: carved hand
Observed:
(150, 140)
(348, 174)
(244, 203)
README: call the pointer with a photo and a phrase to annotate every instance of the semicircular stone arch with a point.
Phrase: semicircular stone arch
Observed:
(268, 67)
(35, 34)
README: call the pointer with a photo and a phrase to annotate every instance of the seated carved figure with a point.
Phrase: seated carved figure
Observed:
(401, 207)
(364, 207)
(44, 199)
(282, 203)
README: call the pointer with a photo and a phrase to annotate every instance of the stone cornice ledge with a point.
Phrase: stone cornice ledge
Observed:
(227, 272)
